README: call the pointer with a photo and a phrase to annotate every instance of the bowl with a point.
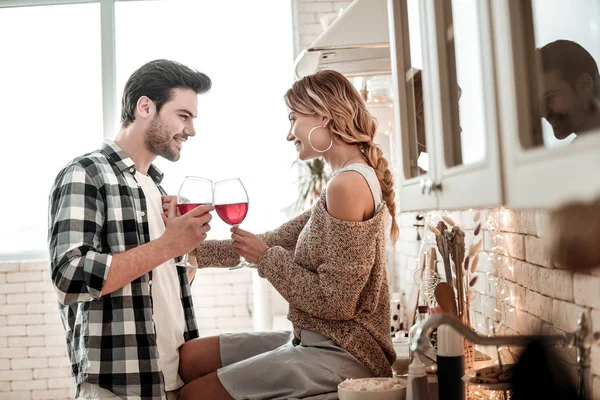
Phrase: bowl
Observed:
(347, 393)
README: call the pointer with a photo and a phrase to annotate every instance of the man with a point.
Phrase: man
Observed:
(126, 308)
(571, 88)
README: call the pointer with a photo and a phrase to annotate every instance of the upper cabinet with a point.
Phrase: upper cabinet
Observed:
(549, 91)
(492, 102)
(497, 102)
(447, 126)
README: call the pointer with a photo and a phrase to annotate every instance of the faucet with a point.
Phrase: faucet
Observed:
(577, 339)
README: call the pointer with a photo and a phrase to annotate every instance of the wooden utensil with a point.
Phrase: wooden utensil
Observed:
(444, 295)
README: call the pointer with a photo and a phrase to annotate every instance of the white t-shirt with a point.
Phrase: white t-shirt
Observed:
(169, 320)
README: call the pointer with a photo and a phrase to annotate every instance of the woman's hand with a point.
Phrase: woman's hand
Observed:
(248, 245)
(166, 203)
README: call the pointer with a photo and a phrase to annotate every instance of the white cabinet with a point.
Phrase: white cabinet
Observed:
(543, 166)
(474, 94)
(444, 81)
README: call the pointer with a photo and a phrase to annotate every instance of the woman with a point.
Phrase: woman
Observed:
(328, 263)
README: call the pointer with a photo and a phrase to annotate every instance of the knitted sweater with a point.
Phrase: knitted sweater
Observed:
(333, 274)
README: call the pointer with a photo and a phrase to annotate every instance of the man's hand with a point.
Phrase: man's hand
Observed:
(184, 233)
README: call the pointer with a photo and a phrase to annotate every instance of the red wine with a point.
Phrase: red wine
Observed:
(187, 207)
(232, 214)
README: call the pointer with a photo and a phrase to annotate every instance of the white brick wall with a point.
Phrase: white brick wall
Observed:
(543, 297)
(33, 361)
(308, 18)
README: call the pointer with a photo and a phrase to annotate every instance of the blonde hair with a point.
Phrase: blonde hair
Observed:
(329, 94)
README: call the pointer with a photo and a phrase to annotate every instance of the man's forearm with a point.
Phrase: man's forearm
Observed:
(131, 264)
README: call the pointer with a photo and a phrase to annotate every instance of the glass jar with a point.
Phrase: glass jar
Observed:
(401, 347)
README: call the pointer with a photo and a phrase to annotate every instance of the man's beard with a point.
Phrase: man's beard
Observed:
(158, 140)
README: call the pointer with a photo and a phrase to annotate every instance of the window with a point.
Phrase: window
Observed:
(51, 111)
(52, 99)
(242, 122)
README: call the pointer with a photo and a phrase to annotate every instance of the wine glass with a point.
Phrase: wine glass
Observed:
(231, 204)
(194, 192)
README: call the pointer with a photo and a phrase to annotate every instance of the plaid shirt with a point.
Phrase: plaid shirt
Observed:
(97, 209)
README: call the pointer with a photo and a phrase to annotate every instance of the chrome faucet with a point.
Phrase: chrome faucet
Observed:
(577, 339)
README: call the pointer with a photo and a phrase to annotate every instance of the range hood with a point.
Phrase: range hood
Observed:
(356, 43)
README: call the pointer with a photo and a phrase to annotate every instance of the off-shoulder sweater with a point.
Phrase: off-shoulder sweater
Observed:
(333, 275)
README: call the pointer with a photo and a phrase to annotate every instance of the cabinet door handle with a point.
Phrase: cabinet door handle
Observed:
(425, 184)
(428, 186)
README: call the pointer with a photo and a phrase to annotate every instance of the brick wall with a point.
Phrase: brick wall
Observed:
(308, 15)
(33, 361)
(542, 297)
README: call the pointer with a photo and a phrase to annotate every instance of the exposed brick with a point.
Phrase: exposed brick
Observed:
(13, 352)
(57, 362)
(13, 330)
(596, 388)
(587, 290)
(12, 309)
(2, 278)
(565, 315)
(555, 283)
(38, 384)
(50, 394)
(46, 373)
(25, 395)
(33, 276)
(231, 300)
(42, 308)
(214, 312)
(28, 298)
(539, 305)
(43, 330)
(60, 383)
(315, 28)
(47, 351)
(4, 387)
(241, 276)
(238, 322)
(38, 287)
(515, 245)
(9, 266)
(16, 375)
(34, 266)
(54, 340)
(595, 359)
(596, 320)
(24, 319)
(10, 288)
(541, 222)
(307, 18)
(28, 363)
(206, 323)
(26, 341)
(315, 7)
(536, 252)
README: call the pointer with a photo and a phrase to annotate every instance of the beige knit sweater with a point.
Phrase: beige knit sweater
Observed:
(333, 274)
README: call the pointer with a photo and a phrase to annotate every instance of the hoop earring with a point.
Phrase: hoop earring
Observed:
(313, 147)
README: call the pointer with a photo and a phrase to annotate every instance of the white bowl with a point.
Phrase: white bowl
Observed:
(393, 394)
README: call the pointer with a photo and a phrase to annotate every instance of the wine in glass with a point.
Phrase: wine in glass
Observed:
(194, 192)
(231, 204)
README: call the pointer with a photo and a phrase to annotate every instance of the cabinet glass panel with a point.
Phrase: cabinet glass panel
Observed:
(419, 156)
(567, 50)
(467, 137)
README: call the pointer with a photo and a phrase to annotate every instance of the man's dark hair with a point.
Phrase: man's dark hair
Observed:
(572, 61)
(156, 80)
